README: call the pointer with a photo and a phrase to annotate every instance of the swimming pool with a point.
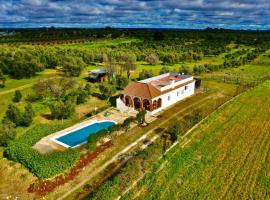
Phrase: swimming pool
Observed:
(80, 135)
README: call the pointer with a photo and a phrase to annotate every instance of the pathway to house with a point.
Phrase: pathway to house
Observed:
(131, 145)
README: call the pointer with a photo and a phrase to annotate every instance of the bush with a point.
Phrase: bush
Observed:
(81, 95)
(88, 88)
(121, 82)
(7, 133)
(28, 115)
(17, 96)
(113, 128)
(62, 110)
(144, 74)
(106, 91)
(164, 70)
(92, 141)
(14, 115)
(126, 124)
(174, 130)
(141, 116)
(152, 59)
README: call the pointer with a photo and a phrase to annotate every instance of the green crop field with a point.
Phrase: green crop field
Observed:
(226, 157)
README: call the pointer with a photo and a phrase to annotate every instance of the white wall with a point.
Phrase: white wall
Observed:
(173, 96)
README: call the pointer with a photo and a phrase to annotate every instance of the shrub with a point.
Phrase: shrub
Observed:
(144, 74)
(62, 110)
(174, 130)
(152, 59)
(164, 70)
(106, 91)
(121, 82)
(14, 115)
(115, 127)
(17, 96)
(92, 141)
(81, 95)
(88, 88)
(126, 124)
(7, 133)
(28, 115)
(141, 116)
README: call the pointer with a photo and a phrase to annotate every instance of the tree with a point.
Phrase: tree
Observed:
(7, 133)
(121, 82)
(81, 95)
(184, 70)
(62, 110)
(164, 70)
(14, 115)
(174, 130)
(56, 88)
(126, 123)
(17, 96)
(73, 67)
(110, 65)
(141, 116)
(106, 91)
(29, 109)
(128, 63)
(88, 88)
(152, 59)
(144, 74)
(199, 69)
(2, 78)
(28, 115)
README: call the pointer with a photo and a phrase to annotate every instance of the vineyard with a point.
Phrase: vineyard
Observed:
(227, 157)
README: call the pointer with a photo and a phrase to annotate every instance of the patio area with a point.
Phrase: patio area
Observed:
(46, 145)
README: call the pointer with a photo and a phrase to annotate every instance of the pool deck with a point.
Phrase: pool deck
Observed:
(47, 145)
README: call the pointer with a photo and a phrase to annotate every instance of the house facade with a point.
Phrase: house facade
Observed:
(156, 93)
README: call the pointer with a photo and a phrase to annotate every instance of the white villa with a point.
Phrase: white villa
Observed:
(156, 93)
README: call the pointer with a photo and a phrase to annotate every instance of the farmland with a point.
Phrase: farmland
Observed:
(218, 155)
(226, 157)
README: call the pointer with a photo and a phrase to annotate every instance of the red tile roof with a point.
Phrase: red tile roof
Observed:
(147, 90)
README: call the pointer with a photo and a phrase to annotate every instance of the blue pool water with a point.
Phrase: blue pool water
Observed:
(81, 135)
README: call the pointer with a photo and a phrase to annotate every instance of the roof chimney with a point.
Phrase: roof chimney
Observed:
(172, 83)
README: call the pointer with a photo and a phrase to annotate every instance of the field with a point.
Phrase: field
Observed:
(227, 157)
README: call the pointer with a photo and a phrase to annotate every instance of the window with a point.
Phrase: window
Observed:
(169, 98)
(177, 93)
(186, 87)
(182, 92)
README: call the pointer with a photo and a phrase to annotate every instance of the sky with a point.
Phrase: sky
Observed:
(191, 14)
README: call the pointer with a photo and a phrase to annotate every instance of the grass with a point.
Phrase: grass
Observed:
(228, 156)
(20, 83)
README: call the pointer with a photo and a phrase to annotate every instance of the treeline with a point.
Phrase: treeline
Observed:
(231, 61)
(167, 47)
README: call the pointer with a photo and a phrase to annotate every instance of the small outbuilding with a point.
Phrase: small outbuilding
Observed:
(98, 75)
